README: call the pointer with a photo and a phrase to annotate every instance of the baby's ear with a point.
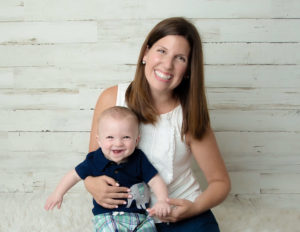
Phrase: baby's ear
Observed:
(138, 140)
(98, 140)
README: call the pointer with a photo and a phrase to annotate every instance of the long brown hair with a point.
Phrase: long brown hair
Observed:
(190, 92)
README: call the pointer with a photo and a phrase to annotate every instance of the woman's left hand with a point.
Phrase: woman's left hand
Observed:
(181, 209)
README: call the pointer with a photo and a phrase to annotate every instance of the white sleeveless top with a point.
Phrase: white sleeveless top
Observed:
(164, 148)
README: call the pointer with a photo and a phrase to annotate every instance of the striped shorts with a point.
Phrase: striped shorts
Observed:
(127, 222)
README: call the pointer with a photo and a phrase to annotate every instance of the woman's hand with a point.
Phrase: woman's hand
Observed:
(181, 209)
(106, 191)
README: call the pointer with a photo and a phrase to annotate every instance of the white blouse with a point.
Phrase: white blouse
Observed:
(164, 148)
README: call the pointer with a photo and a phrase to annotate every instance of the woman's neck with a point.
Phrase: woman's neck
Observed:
(164, 103)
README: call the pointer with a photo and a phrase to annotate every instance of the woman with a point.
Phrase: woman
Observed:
(168, 95)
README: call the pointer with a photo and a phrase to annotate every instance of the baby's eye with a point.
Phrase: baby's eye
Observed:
(109, 137)
(126, 137)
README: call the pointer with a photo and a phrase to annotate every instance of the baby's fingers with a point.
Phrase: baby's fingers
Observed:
(151, 212)
(58, 205)
(164, 212)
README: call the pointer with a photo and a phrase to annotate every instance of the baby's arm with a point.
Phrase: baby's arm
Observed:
(67, 182)
(161, 207)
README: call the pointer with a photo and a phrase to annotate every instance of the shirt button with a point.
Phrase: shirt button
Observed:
(116, 171)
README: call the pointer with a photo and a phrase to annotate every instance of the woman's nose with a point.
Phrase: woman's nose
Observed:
(168, 62)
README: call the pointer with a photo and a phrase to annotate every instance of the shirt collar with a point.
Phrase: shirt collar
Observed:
(101, 161)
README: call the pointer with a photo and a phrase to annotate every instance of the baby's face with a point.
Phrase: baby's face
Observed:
(118, 137)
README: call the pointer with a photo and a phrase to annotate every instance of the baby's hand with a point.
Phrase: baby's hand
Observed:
(161, 209)
(53, 200)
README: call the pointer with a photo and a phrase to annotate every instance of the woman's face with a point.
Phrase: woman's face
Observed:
(166, 63)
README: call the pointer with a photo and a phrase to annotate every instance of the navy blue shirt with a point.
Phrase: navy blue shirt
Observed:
(136, 169)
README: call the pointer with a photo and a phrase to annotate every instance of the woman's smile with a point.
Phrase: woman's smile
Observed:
(163, 76)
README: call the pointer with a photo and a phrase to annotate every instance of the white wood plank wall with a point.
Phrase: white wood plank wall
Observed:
(57, 56)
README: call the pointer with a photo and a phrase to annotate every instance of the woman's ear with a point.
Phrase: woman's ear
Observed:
(145, 54)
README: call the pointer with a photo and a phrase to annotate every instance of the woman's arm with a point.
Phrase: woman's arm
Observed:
(209, 160)
(106, 99)
(104, 189)
(67, 182)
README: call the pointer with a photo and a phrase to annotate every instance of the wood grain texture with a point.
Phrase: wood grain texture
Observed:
(56, 57)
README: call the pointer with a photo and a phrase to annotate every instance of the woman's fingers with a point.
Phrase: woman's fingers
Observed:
(114, 196)
(106, 191)
(110, 181)
(118, 190)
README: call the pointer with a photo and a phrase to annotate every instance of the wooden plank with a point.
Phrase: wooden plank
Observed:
(40, 161)
(273, 183)
(6, 78)
(252, 76)
(3, 140)
(253, 99)
(252, 53)
(258, 143)
(260, 163)
(67, 55)
(256, 120)
(30, 182)
(283, 201)
(248, 30)
(11, 10)
(244, 182)
(94, 77)
(49, 10)
(37, 99)
(48, 32)
(115, 54)
(42, 174)
(46, 120)
(285, 9)
(259, 202)
(45, 141)
(211, 30)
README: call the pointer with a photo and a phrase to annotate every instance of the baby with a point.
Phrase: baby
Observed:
(118, 158)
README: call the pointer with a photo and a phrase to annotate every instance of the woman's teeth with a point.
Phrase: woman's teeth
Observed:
(162, 76)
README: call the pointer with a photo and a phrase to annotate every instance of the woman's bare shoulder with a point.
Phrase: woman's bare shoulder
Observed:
(107, 98)
(109, 93)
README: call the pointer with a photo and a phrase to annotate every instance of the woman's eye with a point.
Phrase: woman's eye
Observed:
(181, 58)
(161, 51)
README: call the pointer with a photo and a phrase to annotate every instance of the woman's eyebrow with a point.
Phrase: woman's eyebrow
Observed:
(179, 54)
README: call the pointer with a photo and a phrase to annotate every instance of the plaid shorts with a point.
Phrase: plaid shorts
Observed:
(127, 222)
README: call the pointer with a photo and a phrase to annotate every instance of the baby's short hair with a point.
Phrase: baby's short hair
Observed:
(119, 112)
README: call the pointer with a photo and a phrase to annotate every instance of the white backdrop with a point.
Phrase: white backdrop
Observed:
(57, 56)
